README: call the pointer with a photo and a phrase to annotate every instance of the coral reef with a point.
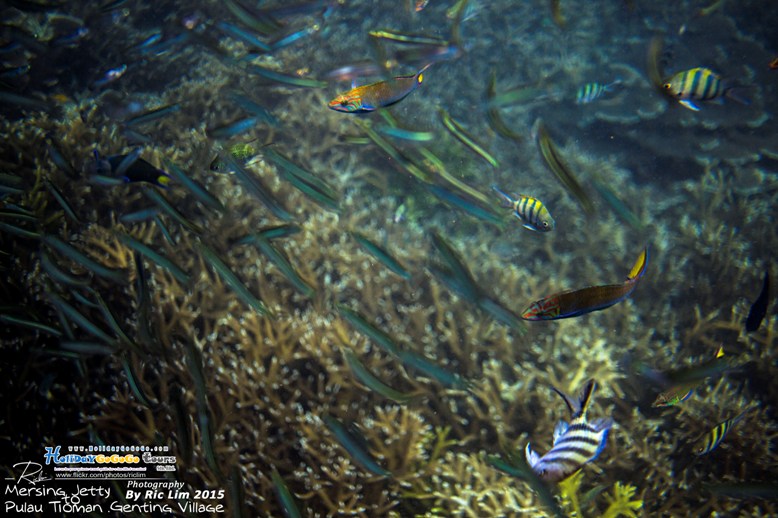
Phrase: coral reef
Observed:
(237, 394)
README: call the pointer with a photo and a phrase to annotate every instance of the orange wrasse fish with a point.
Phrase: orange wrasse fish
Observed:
(679, 392)
(678, 385)
(573, 303)
(693, 374)
(367, 98)
(675, 395)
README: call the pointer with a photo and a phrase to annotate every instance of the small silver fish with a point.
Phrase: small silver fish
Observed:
(575, 444)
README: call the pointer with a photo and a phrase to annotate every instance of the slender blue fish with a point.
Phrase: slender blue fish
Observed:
(353, 444)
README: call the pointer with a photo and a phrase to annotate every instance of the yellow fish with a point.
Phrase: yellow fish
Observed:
(699, 84)
(529, 210)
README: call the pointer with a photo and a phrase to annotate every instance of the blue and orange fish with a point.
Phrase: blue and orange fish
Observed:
(367, 98)
(675, 395)
(575, 444)
(420, 5)
(573, 303)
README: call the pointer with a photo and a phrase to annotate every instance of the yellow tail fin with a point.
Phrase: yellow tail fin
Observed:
(640, 266)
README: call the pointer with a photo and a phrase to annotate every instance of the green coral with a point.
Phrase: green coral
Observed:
(568, 490)
(621, 503)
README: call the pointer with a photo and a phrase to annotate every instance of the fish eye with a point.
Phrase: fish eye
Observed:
(344, 102)
(545, 224)
(666, 86)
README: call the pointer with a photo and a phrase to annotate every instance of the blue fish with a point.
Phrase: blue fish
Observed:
(575, 444)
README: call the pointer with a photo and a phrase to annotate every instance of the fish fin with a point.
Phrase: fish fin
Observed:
(639, 267)
(736, 94)
(560, 428)
(163, 180)
(419, 74)
(602, 444)
(613, 86)
(742, 414)
(532, 457)
(572, 405)
(719, 352)
(508, 201)
(585, 398)
(688, 103)
(601, 423)
(578, 407)
(528, 226)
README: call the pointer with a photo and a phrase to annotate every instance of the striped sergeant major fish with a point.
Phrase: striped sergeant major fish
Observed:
(593, 91)
(699, 84)
(711, 440)
(575, 443)
(530, 211)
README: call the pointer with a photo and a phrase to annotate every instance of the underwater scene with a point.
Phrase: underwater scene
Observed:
(398, 258)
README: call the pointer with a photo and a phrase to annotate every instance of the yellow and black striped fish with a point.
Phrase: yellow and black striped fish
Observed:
(575, 444)
(529, 210)
(592, 91)
(711, 440)
(696, 84)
